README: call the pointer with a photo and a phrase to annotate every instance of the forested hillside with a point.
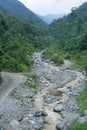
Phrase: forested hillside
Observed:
(41, 95)
(65, 38)
(70, 34)
(17, 9)
(18, 40)
(82, 11)
(14, 47)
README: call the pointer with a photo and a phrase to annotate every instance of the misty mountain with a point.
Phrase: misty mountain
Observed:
(50, 17)
(17, 9)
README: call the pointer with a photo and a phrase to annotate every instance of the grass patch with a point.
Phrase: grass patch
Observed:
(1, 80)
(82, 102)
(79, 59)
(79, 126)
(1, 117)
(32, 81)
(54, 55)
(13, 94)
(24, 67)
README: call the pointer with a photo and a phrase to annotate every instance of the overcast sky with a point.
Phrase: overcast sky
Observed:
(44, 7)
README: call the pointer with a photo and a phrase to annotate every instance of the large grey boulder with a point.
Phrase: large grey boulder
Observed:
(60, 126)
(58, 108)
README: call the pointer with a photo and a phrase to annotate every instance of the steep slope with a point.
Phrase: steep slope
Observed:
(83, 10)
(71, 23)
(17, 9)
(70, 33)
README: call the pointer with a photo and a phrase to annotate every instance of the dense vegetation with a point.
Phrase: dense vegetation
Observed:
(70, 35)
(18, 40)
(66, 38)
(82, 101)
(14, 47)
(17, 9)
(79, 126)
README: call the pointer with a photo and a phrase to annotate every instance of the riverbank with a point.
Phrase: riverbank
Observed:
(51, 106)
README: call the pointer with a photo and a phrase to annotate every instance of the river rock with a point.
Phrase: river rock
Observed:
(38, 127)
(40, 113)
(82, 119)
(14, 124)
(1, 128)
(60, 126)
(85, 112)
(58, 108)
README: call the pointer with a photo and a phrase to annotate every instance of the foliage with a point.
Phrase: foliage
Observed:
(65, 38)
(41, 42)
(12, 93)
(54, 54)
(79, 126)
(82, 102)
(17, 39)
(15, 54)
(70, 37)
(32, 81)
(1, 116)
(85, 63)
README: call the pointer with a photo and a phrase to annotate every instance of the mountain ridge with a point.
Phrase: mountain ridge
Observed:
(50, 17)
(17, 9)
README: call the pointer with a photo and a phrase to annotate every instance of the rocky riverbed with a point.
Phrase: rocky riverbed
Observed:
(51, 106)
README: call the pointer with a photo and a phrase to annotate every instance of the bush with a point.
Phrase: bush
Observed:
(85, 63)
(32, 81)
(57, 59)
(79, 126)
(82, 101)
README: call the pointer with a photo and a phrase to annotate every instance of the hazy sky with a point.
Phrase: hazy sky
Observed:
(43, 7)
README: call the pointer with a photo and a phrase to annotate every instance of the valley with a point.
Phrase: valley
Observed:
(50, 106)
(43, 69)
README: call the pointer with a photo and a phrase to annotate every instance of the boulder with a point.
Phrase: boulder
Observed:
(85, 112)
(60, 126)
(58, 108)
(40, 113)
